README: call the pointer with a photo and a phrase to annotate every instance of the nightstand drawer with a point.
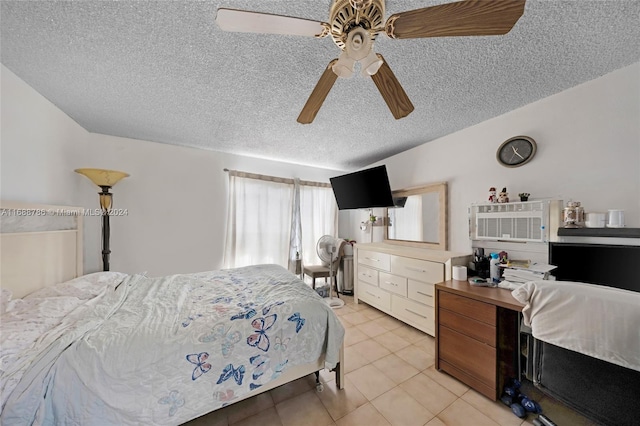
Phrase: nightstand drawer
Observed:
(368, 275)
(481, 331)
(416, 269)
(469, 355)
(377, 260)
(479, 311)
(420, 292)
(374, 296)
(393, 283)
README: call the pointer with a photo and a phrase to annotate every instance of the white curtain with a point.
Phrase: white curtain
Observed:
(318, 216)
(271, 221)
(295, 238)
(259, 222)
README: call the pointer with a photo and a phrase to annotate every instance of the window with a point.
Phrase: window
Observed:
(263, 218)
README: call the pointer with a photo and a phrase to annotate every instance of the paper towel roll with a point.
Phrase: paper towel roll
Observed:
(460, 273)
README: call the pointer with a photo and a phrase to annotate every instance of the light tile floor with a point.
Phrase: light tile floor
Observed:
(390, 379)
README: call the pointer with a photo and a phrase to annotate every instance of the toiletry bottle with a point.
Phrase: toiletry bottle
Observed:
(494, 269)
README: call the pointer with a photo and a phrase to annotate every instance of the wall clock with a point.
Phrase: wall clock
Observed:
(516, 151)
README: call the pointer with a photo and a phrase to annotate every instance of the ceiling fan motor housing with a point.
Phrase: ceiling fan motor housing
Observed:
(344, 17)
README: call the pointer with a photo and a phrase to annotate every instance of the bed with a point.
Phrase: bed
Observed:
(113, 348)
(587, 341)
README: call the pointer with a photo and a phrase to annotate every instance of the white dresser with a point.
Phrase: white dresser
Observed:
(399, 280)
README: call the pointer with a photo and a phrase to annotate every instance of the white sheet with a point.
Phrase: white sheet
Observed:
(599, 321)
(30, 324)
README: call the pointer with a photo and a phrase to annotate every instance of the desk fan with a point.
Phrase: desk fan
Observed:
(327, 247)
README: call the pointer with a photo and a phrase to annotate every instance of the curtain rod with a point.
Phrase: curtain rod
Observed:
(275, 178)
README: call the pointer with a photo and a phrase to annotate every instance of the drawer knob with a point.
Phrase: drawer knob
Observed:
(424, 294)
(411, 268)
(373, 259)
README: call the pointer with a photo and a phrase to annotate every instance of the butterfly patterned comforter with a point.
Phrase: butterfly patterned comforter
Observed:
(167, 350)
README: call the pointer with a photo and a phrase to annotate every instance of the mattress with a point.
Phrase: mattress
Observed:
(166, 350)
(598, 321)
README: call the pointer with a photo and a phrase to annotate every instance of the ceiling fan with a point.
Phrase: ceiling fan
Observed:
(355, 24)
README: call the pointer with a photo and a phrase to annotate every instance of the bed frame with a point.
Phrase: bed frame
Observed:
(41, 245)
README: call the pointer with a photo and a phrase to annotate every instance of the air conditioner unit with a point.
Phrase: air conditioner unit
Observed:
(526, 221)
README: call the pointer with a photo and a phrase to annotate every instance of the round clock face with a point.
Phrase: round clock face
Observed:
(516, 151)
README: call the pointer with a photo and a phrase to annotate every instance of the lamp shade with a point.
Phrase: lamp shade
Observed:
(102, 177)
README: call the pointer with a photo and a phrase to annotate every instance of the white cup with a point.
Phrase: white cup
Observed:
(595, 220)
(460, 273)
(615, 219)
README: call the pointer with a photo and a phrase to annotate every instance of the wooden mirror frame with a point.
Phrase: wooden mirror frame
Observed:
(443, 213)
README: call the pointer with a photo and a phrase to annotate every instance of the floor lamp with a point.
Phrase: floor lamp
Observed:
(105, 179)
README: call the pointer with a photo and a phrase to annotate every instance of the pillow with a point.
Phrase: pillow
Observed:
(5, 298)
(84, 288)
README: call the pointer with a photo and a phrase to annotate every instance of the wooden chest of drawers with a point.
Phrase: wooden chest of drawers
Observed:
(476, 337)
(400, 280)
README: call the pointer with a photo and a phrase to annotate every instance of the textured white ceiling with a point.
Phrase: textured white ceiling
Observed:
(162, 71)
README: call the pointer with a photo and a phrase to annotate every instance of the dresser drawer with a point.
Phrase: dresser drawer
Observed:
(481, 331)
(476, 384)
(416, 269)
(368, 275)
(479, 311)
(419, 315)
(467, 354)
(420, 292)
(372, 258)
(393, 283)
(374, 296)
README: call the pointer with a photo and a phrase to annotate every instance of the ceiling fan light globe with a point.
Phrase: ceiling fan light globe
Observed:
(370, 65)
(342, 71)
(345, 66)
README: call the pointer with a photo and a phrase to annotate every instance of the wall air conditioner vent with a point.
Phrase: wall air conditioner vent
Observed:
(528, 221)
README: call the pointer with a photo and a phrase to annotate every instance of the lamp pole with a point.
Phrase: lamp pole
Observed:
(105, 204)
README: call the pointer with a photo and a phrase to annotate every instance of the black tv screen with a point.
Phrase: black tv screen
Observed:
(610, 265)
(363, 189)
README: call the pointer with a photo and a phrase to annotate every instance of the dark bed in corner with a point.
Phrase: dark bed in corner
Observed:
(604, 392)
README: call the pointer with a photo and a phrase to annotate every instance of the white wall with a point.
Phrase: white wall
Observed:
(588, 141)
(176, 197)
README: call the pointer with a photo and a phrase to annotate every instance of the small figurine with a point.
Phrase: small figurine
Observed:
(503, 197)
(492, 195)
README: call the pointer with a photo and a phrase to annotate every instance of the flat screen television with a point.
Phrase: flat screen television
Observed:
(363, 189)
(610, 265)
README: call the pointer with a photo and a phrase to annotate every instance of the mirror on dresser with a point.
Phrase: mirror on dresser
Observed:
(420, 218)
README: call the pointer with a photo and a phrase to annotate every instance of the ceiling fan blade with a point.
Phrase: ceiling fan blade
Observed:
(391, 90)
(256, 22)
(319, 94)
(463, 18)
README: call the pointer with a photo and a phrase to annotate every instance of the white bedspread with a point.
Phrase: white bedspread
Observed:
(166, 350)
(602, 322)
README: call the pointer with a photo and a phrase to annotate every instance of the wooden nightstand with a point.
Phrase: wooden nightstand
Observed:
(477, 335)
